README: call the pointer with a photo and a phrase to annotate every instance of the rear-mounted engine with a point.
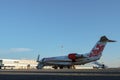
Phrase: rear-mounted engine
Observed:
(72, 56)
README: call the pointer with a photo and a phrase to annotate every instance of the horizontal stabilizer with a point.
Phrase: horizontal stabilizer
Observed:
(105, 39)
(111, 41)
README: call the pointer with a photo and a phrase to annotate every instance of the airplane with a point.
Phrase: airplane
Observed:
(72, 59)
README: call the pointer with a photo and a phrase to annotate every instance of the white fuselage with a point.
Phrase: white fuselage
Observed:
(64, 60)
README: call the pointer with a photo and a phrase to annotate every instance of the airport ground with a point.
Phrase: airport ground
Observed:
(64, 74)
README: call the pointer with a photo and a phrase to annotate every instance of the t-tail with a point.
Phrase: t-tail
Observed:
(99, 47)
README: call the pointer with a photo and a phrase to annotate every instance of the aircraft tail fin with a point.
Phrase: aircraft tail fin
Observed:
(99, 47)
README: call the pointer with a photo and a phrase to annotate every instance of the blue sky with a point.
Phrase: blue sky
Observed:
(58, 27)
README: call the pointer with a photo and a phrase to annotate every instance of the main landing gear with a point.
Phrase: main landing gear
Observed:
(62, 67)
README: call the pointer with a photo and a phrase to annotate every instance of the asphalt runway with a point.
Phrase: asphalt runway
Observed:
(64, 74)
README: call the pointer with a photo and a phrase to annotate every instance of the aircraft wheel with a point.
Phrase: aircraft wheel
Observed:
(61, 67)
(55, 67)
(69, 67)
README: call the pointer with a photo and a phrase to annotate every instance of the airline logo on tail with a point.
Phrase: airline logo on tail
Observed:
(97, 50)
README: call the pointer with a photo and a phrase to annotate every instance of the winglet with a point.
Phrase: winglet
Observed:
(38, 58)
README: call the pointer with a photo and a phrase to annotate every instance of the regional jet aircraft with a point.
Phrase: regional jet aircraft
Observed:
(75, 59)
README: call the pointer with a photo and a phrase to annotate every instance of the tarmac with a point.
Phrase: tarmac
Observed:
(61, 74)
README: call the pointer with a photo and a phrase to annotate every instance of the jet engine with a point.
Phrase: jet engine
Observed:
(74, 56)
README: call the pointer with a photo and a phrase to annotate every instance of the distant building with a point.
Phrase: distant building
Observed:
(17, 64)
(83, 67)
